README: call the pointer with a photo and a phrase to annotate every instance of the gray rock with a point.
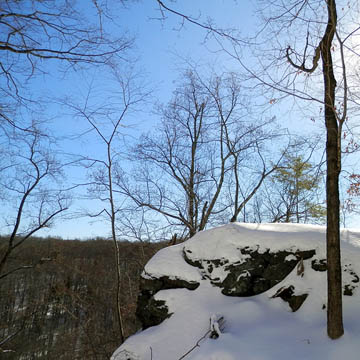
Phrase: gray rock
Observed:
(152, 312)
(287, 294)
(349, 290)
(352, 279)
(319, 265)
(257, 273)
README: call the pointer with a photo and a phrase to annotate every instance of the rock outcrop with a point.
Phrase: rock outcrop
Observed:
(152, 312)
(238, 266)
(287, 294)
(254, 273)
(234, 284)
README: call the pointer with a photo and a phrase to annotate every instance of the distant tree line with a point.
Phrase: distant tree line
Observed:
(63, 306)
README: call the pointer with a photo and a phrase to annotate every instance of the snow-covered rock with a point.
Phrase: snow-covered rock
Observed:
(276, 276)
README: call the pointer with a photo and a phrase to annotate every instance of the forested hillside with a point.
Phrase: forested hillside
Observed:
(62, 303)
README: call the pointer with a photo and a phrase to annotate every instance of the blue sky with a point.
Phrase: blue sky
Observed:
(160, 49)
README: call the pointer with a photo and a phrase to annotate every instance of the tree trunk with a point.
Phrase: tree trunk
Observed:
(116, 246)
(335, 327)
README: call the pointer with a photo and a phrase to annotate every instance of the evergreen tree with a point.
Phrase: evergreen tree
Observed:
(296, 187)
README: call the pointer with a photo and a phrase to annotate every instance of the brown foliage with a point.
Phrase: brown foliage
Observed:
(65, 307)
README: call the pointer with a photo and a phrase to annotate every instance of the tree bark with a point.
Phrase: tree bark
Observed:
(335, 326)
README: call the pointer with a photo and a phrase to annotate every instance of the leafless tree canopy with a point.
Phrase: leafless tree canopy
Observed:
(33, 32)
(30, 189)
(305, 50)
(199, 166)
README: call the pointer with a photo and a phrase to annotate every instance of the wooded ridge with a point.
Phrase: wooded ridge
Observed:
(61, 302)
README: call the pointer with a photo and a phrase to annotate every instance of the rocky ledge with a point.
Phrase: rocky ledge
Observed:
(238, 267)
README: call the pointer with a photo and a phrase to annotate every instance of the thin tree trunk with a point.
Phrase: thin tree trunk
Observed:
(335, 326)
(116, 248)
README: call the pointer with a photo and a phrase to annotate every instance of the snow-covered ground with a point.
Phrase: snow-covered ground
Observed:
(254, 328)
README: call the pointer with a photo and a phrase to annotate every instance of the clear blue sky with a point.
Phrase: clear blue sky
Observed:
(159, 48)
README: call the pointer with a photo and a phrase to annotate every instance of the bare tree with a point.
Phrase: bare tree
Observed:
(311, 43)
(34, 32)
(105, 121)
(30, 191)
(35, 35)
(321, 48)
(243, 138)
(189, 159)
(256, 136)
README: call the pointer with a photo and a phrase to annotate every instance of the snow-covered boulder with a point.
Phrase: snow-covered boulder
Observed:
(228, 281)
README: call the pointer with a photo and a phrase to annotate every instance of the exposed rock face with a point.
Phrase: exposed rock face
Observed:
(319, 265)
(152, 312)
(257, 272)
(238, 268)
(352, 280)
(287, 294)
(233, 279)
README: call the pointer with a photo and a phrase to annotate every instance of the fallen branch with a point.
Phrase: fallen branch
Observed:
(216, 326)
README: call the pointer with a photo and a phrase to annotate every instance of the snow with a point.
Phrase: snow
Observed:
(290, 257)
(170, 262)
(254, 328)
(225, 241)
